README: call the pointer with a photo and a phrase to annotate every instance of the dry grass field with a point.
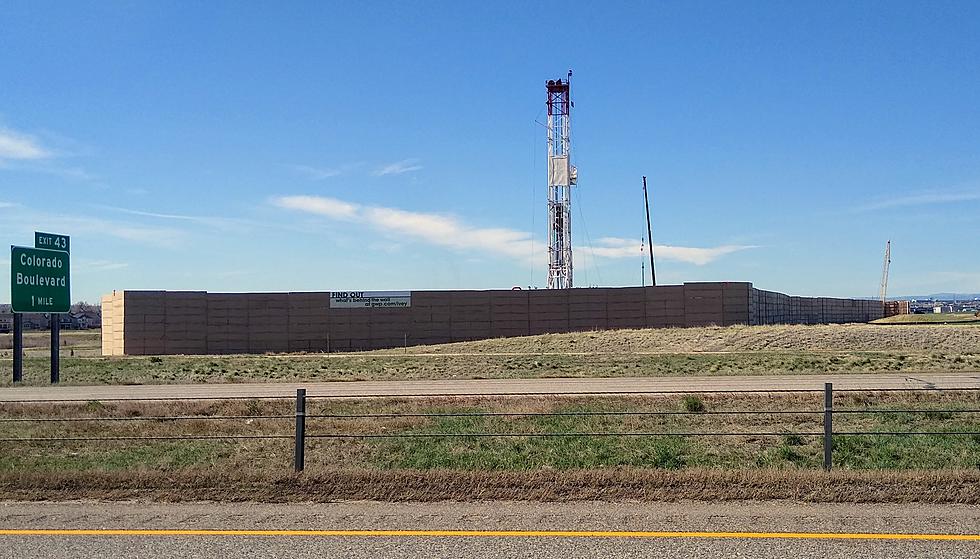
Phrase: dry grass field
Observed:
(533, 464)
(931, 318)
(459, 465)
(733, 350)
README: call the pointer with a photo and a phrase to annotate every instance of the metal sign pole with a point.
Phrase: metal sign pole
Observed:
(18, 347)
(55, 349)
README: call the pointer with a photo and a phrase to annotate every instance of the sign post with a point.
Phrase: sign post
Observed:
(55, 349)
(18, 347)
(40, 282)
(54, 241)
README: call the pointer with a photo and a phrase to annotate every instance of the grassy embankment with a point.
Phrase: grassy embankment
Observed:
(931, 318)
(782, 466)
(735, 350)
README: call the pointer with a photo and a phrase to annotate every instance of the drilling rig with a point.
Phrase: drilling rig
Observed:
(561, 176)
(883, 287)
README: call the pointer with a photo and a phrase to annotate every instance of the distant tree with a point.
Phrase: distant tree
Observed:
(83, 306)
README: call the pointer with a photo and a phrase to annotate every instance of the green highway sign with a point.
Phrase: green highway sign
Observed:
(39, 280)
(51, 241)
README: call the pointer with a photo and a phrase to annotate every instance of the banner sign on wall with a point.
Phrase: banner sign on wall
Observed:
(370, 299)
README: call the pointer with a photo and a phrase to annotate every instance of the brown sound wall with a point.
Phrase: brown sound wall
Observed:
(197, 322)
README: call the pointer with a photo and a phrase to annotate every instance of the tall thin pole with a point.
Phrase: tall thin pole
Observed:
(828, 425)
(18, 347)
(299, 457)
(55, 348)
(646, 202)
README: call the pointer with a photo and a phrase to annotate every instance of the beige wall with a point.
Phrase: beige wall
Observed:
(174, 322)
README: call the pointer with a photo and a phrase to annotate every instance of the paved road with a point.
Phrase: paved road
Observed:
(597, 519)
(496, 386)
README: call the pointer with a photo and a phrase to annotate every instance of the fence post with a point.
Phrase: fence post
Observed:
(828, 425)
(299, 458)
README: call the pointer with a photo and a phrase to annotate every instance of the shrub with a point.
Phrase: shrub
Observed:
(693, 404)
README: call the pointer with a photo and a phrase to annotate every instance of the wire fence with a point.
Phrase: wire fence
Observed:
(573, 393)
(299, 435)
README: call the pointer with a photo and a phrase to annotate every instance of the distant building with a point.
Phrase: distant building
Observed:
(83, 320)
(78, 319)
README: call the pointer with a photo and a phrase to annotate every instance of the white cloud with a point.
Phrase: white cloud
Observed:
(17, 146)
(7, 205)
(316, 173)
(99, 265)
(399, 167)
(321, 205)
(221, 223)
(925, 198)
(155, 236)
(614, 247)
(73, 173)
(28, 220)
(436, 229)
(449, 231)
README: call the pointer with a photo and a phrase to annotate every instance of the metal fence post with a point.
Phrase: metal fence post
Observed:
(18, 347)
(828, 425)
(299, 458)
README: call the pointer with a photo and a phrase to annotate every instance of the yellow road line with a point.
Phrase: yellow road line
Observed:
(502, 534)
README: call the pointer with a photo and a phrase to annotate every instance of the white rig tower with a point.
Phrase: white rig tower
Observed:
(561, 176)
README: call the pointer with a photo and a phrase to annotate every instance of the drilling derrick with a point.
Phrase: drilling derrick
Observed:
(883, 286)
(561, 176)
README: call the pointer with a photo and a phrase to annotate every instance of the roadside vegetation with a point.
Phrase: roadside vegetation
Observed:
(931, 318)
(733, 350)
(40, 469)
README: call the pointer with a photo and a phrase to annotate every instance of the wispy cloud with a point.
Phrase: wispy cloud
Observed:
(614, 247)
(7, 205)
(99, 265)
(436, 229)
(330, 207)
(24, 152)
(224, 223)
(73, 173)
(316, 173)
(399, 167)
(161, 237)
(452, 232)
(18, 146)
(928, 197)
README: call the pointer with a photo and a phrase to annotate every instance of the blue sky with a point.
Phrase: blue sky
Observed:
(397, 145)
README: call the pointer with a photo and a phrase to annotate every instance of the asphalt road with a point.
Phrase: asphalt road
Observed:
(495, 386)
(823, 530)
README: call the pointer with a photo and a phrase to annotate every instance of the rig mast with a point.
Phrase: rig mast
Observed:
(561, 176)
(883, 286)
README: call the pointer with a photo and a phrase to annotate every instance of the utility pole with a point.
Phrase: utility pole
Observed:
(646, 202)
